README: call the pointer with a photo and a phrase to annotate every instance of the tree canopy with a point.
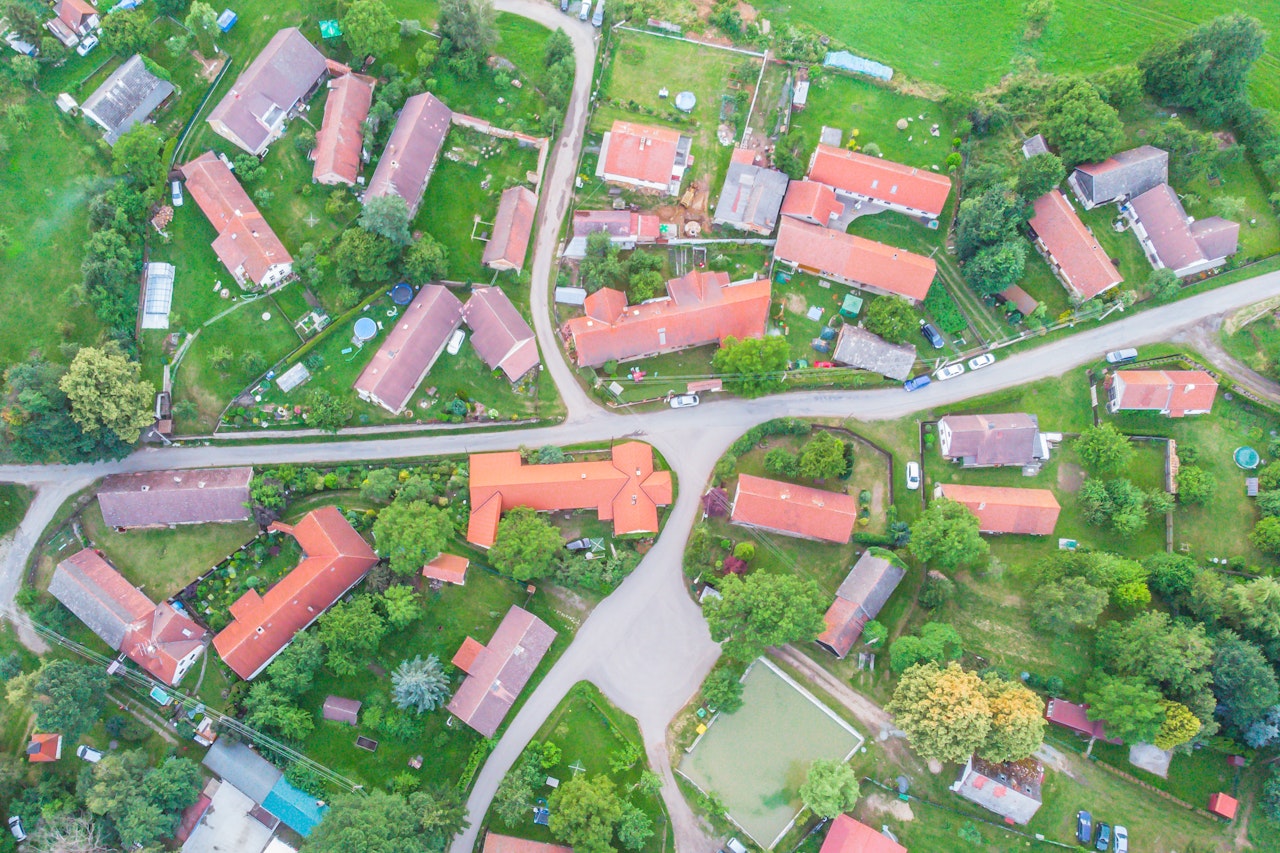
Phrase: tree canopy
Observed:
(943, 711)
(373, 822)
(105, 392)
(890, 318)
(468, 32)
(830, 788)
(584, 812)
(142, 803)
(527, 546)
(386, 215)
(1208, 70)
(823, 457)
(1130, 707)
(1038, 175)
(370, 29)
(420, 685)
(946, 536)
(1105, 451)
(753, 366)
(1079, 124)
(67, 697)
(411, 534)
(349, 629)
(764, 610)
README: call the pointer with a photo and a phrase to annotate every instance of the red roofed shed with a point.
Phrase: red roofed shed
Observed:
(1223, 805)
(847, 835)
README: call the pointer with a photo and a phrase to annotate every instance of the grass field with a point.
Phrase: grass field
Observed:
(14, 501)
(1257, 344)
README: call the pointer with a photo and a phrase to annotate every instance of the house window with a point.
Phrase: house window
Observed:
(662, 337)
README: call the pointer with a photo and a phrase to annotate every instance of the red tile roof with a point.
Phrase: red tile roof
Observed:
(624, 489)
(826, 252)
(335, 558)
(701, 308)
(412, 347)
(245, 241)
(44, 747)
(811, 201)
(1069, 715)
(74, 12)
(1002, 509)
(640, 153)
(497, 672)
(512, 228)
(794, 510)
(881, 180)
(159, 642)
(340, 139)
(449, 568)
(161, 498)
(619, 223)
(1083, 263)
(412, 149)
(847, 835)
(494, 843)
(1173, 392)
(499, 334)
(1223, 805)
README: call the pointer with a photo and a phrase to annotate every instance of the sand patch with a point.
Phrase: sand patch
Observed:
(881, 804)
(1070, 477)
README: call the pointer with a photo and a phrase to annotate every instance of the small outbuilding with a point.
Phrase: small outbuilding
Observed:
(340, 710)
(44, 747)
(1223, 806)
(447, 568)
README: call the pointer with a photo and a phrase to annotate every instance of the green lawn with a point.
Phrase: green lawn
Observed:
(1257, 344)
(14, 501)
(1121, 246)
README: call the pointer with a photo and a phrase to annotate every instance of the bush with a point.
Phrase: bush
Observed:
(778, 426)
(945, 311)
(744, 551)
(936, 590)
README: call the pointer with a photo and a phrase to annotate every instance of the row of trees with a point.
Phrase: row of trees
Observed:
(823, 457)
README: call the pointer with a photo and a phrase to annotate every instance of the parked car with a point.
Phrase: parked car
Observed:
(177, 193)
(88, 753)
(824, 364)
(684, 401)
(585, 11)
(733, 845)
(913, 475)
(1120, 356)
(455, 342)
(984, 360)
(1104, 838)
(932, 335)
(15, 826)
(1084, 827)
(87, 44)
(1122, 840)
(564, 5)
(916, 382)
(579, 544)
(951, 371)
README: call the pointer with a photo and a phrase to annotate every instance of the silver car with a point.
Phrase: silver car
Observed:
(684, 401)
(1122, 840)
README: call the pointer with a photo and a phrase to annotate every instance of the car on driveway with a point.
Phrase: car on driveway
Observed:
(684, 401)
(579, 544)
(1084, 827)
(15, 826)
(1104, 838)
(1122, 840)
(916, 382)
(88, 753)
(951, 371)
(455, 341)
(913, 475)
(86, 45)
(177, 194)
(932, 335)
(1121, 356)
(985, 360)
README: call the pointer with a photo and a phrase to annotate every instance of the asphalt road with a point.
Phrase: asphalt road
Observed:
(646, 646)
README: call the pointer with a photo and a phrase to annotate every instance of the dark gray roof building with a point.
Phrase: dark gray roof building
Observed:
(162, 498)
(242, 767)
(1033, 145)
(126, 98)
(341, 710)
(99, 595)
(1124, 175)
(856, 347)
(989, 441)
(751, 197)
(864, 592)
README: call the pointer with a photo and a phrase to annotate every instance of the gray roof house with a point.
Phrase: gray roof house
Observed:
(1171, 239)
(412, 150)
(751, 196)
(858, 600)
(1011, 790)
(992, 441)
(856, 347)
(126, 98)
(163, 498)
(1121, 176)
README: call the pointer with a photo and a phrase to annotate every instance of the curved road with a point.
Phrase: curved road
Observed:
(646, 645)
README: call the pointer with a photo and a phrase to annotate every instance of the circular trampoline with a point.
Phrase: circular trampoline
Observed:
(402, 294)
(1246, 458)
(365, 329)
(686, 101)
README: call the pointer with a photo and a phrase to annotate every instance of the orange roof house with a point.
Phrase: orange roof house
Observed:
(847, 835)
(340, 141)
(1073, 252)
(624, 489)
(1223, 806)
(447, 568)
(245, 244)
(1002, 509)
(496, 673)
(793, 510)
(495, 843)
(335, 558)
(79, 15)
(157, 637)
(44, 748)
(700, 308)
(512, 228)
(854, 261)
(811, 202)
(645, 157)
(915, 192)
(1175, 393)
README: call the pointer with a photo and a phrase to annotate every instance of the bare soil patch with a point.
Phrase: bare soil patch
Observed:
(880, 804)
(1070, 477)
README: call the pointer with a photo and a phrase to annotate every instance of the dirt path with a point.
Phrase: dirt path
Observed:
(871, 715)
(1205, 338)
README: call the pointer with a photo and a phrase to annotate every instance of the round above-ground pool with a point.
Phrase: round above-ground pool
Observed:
(1246, 458)
(402, 294)
(365, 329)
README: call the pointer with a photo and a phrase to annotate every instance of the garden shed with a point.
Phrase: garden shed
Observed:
(340, 710)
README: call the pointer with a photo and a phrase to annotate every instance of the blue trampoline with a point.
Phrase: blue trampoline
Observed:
(365, 329)
(402, 294)
(1247, 458)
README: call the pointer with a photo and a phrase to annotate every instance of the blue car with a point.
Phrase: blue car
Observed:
(1084, 827)
(1104, 838)
(932, 335)
(916, 383)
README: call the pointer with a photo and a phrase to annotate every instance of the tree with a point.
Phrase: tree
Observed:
(1067, 605)
(1130, 707)
(830, 788)
(1208, 70)
(170, 7)
(890, 318)
(988, 219)
(782, 462)
(823, 457)
(426, 259)
(527, 546)
(946, 536)
(1038, 175)
(67, 832)
(327, 411)
(1229, 207)
(1079, 124)
(380, 485)
(788, 154)
(349, 628)
(1163, 284)
(722, 689)
(1174, 656)
(361, 255)
(1195, 485)
(943, 711)
(142, 803)
(137, 154)
(269, 709)
(1191, 152)
(997, 267)
(442, 814)
(1119, 86)
(24, 21)
(1116, 503)
(763, 610)
(105, 393)
(467, 31)
(936, 590)
(38, 419)
(1179, 725)
(66, 697)
(1266, 535)
(411, 534)
(126, 33)
(1017, 721)
(549, 454)
(385, 215)
(753, 366)
(600, 266)
(1105, 451)
(294, 669)
(937, 642)
(402, 606)
(584, 812)
(419, 684)
(25, 69)
(370, 29)
(645, 284)
(559, 46)
(634, 827)
(1244, 682)
(202, 21)
(372, 822)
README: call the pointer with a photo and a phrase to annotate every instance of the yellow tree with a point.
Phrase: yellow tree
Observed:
(944, 711)
(106, 393)
(1179, 726)
(1017, 721)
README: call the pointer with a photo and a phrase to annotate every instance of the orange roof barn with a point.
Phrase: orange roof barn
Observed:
(794, 510)
(847, 835)
(1175, 393)
(1002, 509)
(340, 141)
(854, 260)
(882, 181)
(644, 156)
(1079, 260)
(447, 568)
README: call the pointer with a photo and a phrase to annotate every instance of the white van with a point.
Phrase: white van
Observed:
(455, 342)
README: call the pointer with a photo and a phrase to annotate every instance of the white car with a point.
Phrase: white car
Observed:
(951, 371)
(684, 401)
(1122, 840)
(913, 475)
(177, 193)
(86, 45)
(984, 360)
(455, 342)
(15, 826)
(1120, 356)
(88, 753)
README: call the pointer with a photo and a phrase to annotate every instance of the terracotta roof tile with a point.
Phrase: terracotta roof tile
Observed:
(823, 251)
(619, 223)
(811, 201)
(245, 241)
(44, 747)
(859, 599)
(794, 510)
(1172, 392)
(512, 228)
(639, 153)
(847, 835)
(411, 348)
(494, 843)
(500, 670)
(340, 140)
(1002, 509)
(1069, 715)
(448, 568)
(881, 180)
(1083, 262)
